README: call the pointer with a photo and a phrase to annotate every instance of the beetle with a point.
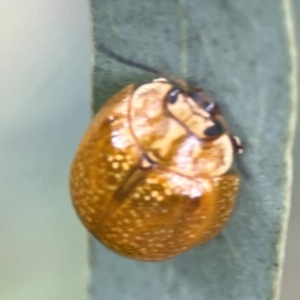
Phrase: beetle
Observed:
(151, 177)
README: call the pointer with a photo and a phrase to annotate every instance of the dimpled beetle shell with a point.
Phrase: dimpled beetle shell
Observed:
(150, 177)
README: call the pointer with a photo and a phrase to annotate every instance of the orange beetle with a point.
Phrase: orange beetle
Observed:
(150, 178)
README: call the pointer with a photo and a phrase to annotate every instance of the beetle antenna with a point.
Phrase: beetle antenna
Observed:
(103, 49)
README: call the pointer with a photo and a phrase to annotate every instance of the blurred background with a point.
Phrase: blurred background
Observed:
(44, 110)
(45, 63)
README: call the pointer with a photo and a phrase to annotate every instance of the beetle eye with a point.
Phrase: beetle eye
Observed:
(173, 95)
(214, 130)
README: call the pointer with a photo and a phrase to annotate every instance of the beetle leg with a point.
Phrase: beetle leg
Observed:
(134, 177)
(162, 80)
(237, 144)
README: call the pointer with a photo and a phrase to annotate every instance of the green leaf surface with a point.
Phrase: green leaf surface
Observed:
(238, 51)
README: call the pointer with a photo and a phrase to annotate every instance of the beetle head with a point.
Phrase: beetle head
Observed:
(197, 112)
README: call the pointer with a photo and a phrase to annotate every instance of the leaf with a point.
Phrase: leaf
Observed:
(240, 52)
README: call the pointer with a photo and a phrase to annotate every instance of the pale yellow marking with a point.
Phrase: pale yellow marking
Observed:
(125, 166)
(151, 180)
(133, 212)
(160, 198)
(115, 165)
(168, 192)
(154, 193)
(92, 210)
